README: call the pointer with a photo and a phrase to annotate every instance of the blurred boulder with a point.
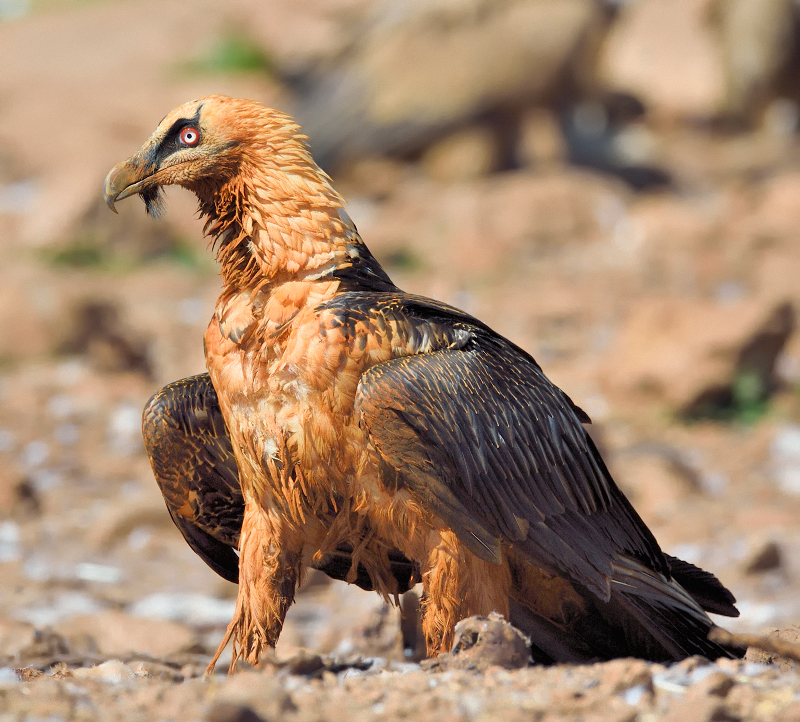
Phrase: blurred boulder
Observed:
(753, 378)
(424, 67)
(756, 38)
(698, 58)
(95, 329)
(117, 634)
(665, 52)
(678, 349)
(603, 134)
(301, 35)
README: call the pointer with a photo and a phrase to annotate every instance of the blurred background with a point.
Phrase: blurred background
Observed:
(615, 186)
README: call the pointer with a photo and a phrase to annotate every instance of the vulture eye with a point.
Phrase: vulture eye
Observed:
(190, 136)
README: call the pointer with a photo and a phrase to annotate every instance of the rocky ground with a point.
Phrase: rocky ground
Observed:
(654, 310)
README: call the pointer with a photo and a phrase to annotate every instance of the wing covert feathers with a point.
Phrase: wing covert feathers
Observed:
(192, 459)
(479, 434)
(482, 435)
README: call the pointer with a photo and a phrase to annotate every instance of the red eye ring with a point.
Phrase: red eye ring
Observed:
(190, 136)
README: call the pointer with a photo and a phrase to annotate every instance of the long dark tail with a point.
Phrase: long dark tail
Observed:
(647, 616)
(662, 615)
(704, 587)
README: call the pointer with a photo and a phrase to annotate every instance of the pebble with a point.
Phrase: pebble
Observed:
(113, 672)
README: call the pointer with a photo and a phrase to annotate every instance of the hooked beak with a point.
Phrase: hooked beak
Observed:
(124, 180)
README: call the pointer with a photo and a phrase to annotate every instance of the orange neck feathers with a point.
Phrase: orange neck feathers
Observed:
(276, 217)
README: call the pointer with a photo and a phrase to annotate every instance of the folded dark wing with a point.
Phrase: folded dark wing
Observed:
(480, 435)
(192, 458)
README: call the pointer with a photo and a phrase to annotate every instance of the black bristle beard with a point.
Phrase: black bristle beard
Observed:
(153, 199)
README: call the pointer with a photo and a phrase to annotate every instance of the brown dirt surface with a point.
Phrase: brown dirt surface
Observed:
(632, 303)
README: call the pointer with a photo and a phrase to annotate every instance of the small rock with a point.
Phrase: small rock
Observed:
(760, 657)
(45, 644)
(717, 684)
(148, 669)
(27, 501)
(622, 675)
(305, 664)
(411, 627)
(482, 642)
(766, 558)
(113, 671)
(231, 712)
(26, 674)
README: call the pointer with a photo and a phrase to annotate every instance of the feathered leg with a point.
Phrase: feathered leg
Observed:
(457, 584)
(269, 567)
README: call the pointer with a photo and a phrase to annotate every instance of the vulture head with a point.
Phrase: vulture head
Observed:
(208, 146)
